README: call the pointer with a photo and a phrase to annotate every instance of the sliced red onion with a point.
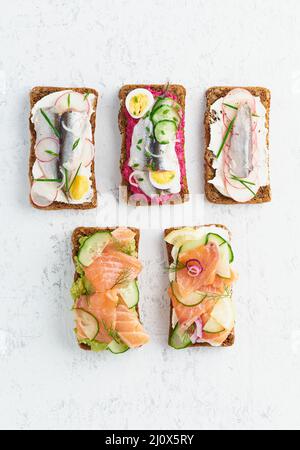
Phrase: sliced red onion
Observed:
(134, 184)
(198, 333)
(194, 267)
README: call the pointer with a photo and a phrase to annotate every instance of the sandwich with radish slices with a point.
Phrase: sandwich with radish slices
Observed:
(201, 276)
(237, 145)
(62, 126)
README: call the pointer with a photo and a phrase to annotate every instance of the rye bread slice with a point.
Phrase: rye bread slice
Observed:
(231, 338)
(212, 194)
(180, 93)
(89, 231)
(37, 94)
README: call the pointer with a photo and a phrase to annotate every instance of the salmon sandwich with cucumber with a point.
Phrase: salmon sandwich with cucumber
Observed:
(201, 278)
(152, 125)
(62, 126)
(105, 289)
(237, 145)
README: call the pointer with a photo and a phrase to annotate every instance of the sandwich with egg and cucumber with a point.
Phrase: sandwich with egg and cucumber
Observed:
(105, 290)
(237, 145)
(201, 277)
(152, 125)
(62, 127)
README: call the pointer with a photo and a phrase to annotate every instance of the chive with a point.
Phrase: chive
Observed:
(75, 145)
(140, 179)
(86, 96)
(56, 132)
(48, 180)
(166, 111)
(139, 148)
(136, 166)
(50, 152)
(75, 177)
(226, 137)
(233, 177)
(140, 141)
(163, 132)
(148, 130)
(148, 154)
(236, 109)
(246, 186)
(69, 101)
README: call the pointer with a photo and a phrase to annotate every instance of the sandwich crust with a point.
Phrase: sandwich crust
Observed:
(37, 94)
(212, 194)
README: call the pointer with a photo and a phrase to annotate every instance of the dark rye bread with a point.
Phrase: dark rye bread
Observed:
(37, 94)
(88, 231)
(180, 93)
(231, 338)
(212, 194)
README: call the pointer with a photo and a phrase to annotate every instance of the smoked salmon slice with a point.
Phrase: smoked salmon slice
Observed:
(208, 257)
(112, 269)
(188, 315)
(220, 284)
(104, 308)
(129, 327)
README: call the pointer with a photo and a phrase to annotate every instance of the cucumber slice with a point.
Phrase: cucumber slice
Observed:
(226, 255)
(93, 247)
(213, 327)
(192, 300)
(165, 131)
(166, 102)
(191, 245)
(130, 294)
(88, 323)
(223, 313)
(165, 112)
(116, 348)
(179, 340)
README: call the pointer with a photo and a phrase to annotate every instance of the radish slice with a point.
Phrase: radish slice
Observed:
(72, 101)
(88, 153)
(47, 149)
(43, 194)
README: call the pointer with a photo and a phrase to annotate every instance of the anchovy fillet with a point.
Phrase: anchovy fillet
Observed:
(241, 145)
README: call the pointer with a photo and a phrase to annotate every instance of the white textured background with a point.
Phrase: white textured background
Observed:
(46, 381)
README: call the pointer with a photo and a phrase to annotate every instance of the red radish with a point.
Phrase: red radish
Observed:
(88, 153)
(47, 149)
(44, 193)
(72, 101)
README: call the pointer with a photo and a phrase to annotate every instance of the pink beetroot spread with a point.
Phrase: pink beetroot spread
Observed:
(127, 170)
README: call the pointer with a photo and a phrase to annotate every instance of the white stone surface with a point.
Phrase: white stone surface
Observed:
(46, 381)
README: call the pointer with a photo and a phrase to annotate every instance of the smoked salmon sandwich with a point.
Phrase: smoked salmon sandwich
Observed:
(105, 289)
(201, 278)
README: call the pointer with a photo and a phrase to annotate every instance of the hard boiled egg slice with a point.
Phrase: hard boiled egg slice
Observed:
(80, 187)
(163, 179)
(139, 102)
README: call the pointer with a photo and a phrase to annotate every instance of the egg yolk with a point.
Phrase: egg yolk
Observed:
(163, 177)
(79, 188)
(139, 104)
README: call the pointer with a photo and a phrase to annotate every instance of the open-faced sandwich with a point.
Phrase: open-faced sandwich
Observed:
(105, 289)
(237, 145)
(62, 126)
(152, 122)
(201, 278)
